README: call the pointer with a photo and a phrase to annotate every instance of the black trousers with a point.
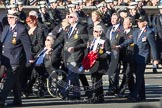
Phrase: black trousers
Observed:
(12, 81)
(84, 81)
(139, 91)
(114, 80)
(97, 85)
(128, 70)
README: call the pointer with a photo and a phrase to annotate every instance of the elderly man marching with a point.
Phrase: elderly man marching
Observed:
(143, 39)
(74, 44)
(16, 53)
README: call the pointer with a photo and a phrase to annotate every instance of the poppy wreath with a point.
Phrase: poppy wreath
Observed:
(89, 60)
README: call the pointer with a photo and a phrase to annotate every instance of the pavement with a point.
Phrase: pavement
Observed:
(153, 86)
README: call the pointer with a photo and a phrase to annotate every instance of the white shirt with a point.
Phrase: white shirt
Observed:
(72, 29)
(114, 28)
(12, 27)
(141, 33)
(127, 31)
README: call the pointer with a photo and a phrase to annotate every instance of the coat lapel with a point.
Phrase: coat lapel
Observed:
(108, 33)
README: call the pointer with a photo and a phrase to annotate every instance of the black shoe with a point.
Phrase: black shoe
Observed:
(26, 95)
(64, 96)
(133, 99)
(98, 101)
(88, 94)
(154, 70)
(110, 93)
(15, 104)
(141, 99)
(74, 98)
(121, 95)
(41, 93)
(2, 104)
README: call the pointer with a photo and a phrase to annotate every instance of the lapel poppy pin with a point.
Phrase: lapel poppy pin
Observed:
(118, 30)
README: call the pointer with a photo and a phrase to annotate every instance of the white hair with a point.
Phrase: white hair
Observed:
(98, 28)
(75, 14)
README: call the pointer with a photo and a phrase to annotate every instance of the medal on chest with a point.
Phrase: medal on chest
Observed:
(13, 41)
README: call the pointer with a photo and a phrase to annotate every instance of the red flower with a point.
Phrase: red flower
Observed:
(89, 60)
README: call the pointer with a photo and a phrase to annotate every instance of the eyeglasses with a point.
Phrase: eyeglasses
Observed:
(70, 17)
(10, 17)
(48, 40)
(30, 22)
(96, 31)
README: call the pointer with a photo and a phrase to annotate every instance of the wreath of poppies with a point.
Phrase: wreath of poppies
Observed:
(89, 60)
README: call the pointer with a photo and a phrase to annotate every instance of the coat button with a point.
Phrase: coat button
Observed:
(2, 51)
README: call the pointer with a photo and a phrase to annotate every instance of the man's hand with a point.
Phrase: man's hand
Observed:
(49, 50)
(31, 61)
(71, 49)
(156, 62)
(116, 47)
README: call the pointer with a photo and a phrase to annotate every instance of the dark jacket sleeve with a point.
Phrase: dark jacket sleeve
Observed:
(26, 43)
(56, 56)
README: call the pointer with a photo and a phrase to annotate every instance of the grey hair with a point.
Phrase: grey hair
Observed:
(98, 27)
(75, 14)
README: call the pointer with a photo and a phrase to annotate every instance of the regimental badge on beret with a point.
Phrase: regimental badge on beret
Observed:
(52, 1)
(20, 3)
(108, 1)
(12, 12)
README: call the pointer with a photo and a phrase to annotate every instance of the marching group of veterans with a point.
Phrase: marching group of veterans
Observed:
(38, 42)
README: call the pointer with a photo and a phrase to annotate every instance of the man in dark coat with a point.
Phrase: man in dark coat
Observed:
(16, 52)
(127, 59)
(75, 43)
(143, 39)
(114, 34)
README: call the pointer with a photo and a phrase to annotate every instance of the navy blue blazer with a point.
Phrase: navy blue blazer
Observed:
(19, 53)
(142, 45)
